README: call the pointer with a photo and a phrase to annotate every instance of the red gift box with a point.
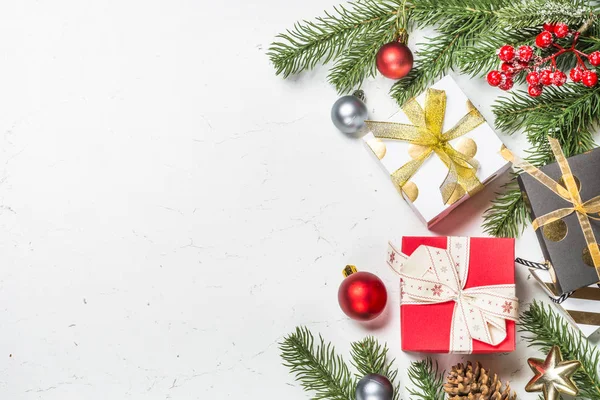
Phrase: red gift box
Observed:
(427, 327)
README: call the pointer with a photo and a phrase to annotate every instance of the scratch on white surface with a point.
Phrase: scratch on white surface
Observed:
(172, 209)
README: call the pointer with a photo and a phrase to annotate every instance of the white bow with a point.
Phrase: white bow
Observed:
(432, 275)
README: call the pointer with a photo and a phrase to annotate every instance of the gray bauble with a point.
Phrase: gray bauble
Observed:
(374, 387)
(349, 114)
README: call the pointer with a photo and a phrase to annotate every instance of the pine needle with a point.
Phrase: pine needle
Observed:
(427, 381)
(508, 216)
(317, 368)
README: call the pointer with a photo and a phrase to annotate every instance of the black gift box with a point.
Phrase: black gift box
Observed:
(563, 242)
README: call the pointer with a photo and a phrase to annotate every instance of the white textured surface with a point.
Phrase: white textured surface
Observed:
(170, 209)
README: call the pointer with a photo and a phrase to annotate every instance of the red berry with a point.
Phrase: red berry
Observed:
(507, 68)
(549, 27)
(525, 53)
(589, 78)
(559, 78)
(561, 30)
(506, 84)
(494, 78)
(594, 58)
(576, 74)
(535, 90)
(506, 53)
(533, 78)
(546, 77)
(544, 39)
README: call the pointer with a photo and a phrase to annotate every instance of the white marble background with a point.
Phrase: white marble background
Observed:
(169, 209)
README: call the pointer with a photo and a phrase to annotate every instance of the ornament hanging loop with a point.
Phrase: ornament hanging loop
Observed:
(360, 94)
(402, 24)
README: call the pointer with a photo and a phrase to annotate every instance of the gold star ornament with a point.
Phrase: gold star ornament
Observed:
(553, 375)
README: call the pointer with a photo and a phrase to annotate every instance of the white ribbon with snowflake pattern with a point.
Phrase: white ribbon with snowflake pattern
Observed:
(432, 275)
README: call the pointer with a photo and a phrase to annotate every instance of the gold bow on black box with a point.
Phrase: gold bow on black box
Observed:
(569, 192)
(427, 131)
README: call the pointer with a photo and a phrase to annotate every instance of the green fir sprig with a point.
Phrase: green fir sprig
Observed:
(426, 379)
(545, 328)
(349, 36)
(324, 373)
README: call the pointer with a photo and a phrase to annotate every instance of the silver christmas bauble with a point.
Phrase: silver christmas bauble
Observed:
(374, 387)
(349, 114)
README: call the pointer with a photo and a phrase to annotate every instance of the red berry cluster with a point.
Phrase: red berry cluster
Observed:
(542, 71)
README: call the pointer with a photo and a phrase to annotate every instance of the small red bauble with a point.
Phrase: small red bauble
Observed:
(546, 77)
(506, 53)
(494, 78)
(575, 74)
(394, 60)
(594, 58)
(561, 30)
(559, 78)
(549, 27)
(589, 78)
(544, 39)
(535, 90)
(506, 84)
(525, 53)
(533, 78)
(362, 295)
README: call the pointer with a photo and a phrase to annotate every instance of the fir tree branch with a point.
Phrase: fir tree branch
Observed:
(427, 380)
(434, 60)
(318, 369)
(308, 43)
(534, 13)
(507, 216)
(358, 62)
(459, 22)
(546, 329)
(369, 357)
(569, 113)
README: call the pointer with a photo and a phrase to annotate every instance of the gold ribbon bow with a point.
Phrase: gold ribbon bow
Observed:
(426, 131)
(569, 192)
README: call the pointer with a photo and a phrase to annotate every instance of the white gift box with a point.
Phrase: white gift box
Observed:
(422, 191)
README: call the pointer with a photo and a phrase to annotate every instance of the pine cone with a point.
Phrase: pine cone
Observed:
(468, 382)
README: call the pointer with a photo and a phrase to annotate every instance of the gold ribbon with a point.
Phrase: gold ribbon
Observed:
(569, 193)
(426, 131)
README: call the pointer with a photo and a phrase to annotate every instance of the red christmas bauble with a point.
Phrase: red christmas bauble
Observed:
(394, 60)
(362, 295)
